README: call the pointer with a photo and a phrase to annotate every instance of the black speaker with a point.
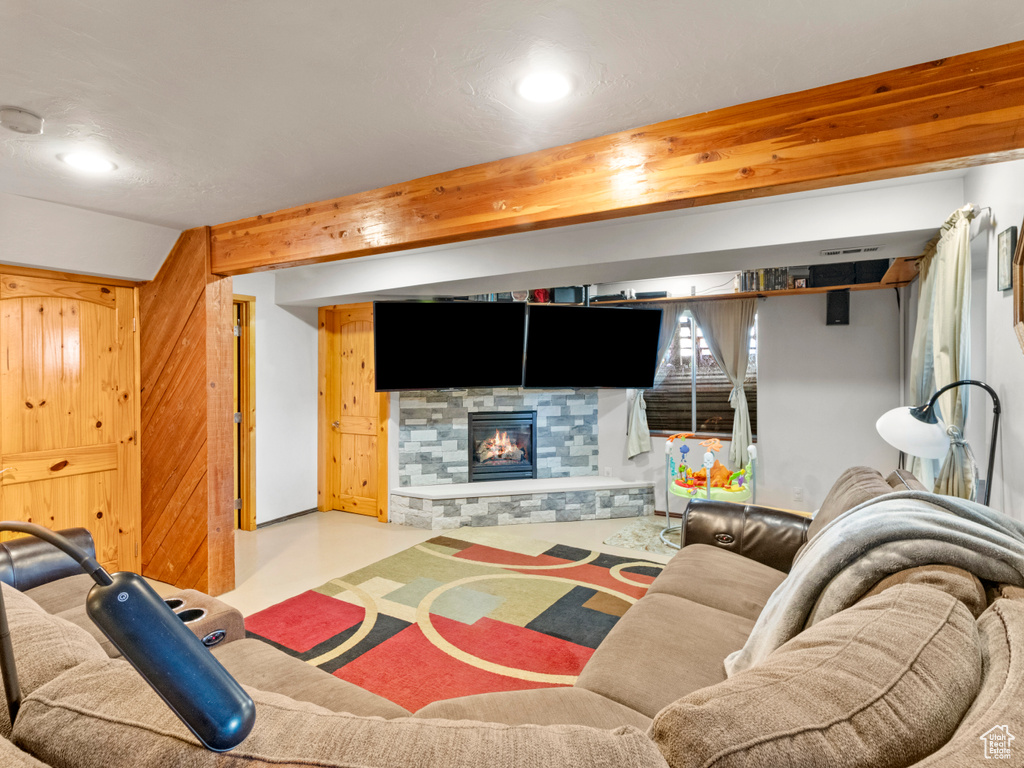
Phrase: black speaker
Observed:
(837, 308)
(825, 275)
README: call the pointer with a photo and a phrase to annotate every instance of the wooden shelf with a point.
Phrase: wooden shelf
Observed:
(901, 272)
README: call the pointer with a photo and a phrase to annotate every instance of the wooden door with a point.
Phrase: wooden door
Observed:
(244, 394)
(353, 417)
(70, 411)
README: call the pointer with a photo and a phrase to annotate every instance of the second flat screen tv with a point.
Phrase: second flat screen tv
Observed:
(586, 347)
(448, 345)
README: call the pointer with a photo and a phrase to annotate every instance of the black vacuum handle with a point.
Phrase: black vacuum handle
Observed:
(172, 660)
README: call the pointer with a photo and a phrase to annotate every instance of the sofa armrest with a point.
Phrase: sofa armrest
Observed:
(769, 536)
(28, 562)
(213, 622)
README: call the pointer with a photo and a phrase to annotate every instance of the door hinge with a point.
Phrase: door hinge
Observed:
(238, 417)
(237, 330)
(133, 325)
(136, 549)
(238, 503)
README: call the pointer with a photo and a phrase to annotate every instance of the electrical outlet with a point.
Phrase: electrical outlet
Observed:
(798, 493)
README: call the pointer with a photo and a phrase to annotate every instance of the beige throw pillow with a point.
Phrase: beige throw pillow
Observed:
(44, 646)
(879, 685)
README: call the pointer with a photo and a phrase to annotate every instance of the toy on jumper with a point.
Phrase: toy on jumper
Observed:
(725, 484)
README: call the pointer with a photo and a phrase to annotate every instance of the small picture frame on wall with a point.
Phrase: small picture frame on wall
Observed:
(1006, 244)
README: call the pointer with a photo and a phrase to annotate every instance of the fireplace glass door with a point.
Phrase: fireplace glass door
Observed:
(502, 445)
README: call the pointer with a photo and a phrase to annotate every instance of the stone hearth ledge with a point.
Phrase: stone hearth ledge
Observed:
(509, 502)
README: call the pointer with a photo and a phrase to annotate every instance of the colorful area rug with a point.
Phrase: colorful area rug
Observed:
(473, 611)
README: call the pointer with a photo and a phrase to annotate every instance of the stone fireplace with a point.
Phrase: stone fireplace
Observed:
(502, 445)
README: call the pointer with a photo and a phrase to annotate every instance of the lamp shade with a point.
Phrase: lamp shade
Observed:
(903, 430)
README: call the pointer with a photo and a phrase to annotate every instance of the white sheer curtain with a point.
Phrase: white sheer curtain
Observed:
(726, 325)
(637, 433)
(951, 342)
(941, 349)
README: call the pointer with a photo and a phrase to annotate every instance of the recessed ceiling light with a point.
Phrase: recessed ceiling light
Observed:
(544, 86)
(88, 162)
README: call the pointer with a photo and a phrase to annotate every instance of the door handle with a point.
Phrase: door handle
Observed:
(336, 424)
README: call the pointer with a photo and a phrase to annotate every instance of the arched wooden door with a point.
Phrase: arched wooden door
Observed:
(70, 411)
(353, 431)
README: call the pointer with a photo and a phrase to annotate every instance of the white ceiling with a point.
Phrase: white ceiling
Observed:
(217, 111)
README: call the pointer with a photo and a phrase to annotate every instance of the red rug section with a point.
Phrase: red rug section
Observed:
(394, 669)
(305, 620)
(512, 646)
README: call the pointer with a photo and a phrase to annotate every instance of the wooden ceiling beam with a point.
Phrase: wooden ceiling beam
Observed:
(958, 112)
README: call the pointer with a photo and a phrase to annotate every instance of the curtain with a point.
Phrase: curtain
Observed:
(726, 325)
(922, 367)
(951, 343)
(638, 436)
(941, 349)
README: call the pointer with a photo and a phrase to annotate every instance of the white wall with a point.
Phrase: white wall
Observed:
(819, 390)
(35, 233)
(286, 401)
(1001, 188)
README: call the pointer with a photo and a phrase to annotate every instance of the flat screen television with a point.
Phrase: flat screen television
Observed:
(448, 345)
(586, 347)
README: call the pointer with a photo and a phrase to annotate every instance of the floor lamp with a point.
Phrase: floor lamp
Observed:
(919, 432)
(151, 637)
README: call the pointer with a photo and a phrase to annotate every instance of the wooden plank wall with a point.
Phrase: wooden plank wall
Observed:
(187, 514)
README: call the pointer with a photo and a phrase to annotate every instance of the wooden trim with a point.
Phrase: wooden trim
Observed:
(247, 407)
(323, 430)
(1017, 276)
(220, 517)
(11, 269)
(957, 112)
(25, 286)
(383, 489)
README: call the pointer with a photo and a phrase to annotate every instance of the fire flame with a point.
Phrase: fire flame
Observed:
(500, 443)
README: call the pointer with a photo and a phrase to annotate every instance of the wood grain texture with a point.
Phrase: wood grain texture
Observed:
(952, 113)
(352, 468)
(185, 403)
(69, 402)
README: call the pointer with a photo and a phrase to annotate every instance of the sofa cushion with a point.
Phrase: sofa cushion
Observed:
(62, 594)
(997, 709)
(44, 646)
(718, 578)
(254, 663)
(961, 584)
(12, 757)
(904, 480)
(103, 715)
(664, 647)
(542, 706)
(881, 684)
(855, 486)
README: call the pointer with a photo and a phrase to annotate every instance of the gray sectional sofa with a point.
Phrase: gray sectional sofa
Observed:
(915, 672)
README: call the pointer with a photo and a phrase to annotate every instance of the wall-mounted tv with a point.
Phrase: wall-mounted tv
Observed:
(586, 347)
(448, 345)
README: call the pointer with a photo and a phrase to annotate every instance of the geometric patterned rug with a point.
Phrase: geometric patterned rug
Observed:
(475, 610)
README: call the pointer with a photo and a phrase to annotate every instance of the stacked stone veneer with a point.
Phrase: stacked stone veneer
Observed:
(527, 508)
(433, 431)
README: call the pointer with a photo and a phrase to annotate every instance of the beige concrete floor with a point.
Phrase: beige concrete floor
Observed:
(282, 560)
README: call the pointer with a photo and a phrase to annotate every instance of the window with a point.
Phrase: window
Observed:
(694, 396)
